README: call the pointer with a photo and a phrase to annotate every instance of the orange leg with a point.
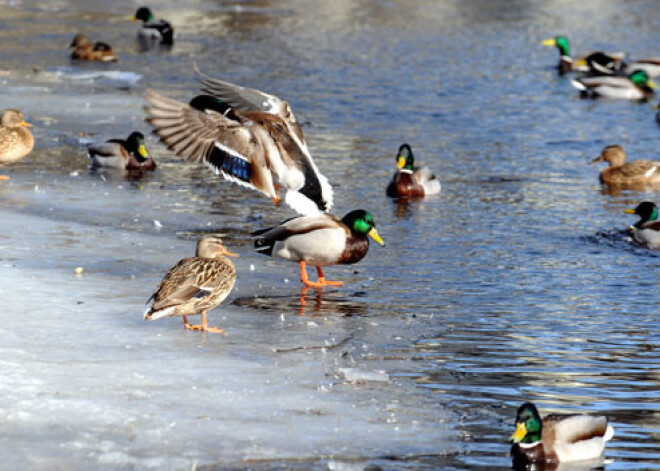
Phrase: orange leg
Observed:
(204, 327)
(321, 281)
(277, 200)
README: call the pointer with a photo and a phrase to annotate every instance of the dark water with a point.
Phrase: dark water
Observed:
(514, 284)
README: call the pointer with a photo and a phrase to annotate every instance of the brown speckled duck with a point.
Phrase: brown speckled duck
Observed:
(84, 50)
(15, 140)
(411, 181)
(320, 240)
(558, 437)
(195, 285)
(128, 154)
(635, 174)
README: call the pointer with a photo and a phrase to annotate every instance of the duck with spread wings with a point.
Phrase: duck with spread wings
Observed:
(250, 137)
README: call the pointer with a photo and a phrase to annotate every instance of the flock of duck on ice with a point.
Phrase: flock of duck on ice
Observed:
(253, 139)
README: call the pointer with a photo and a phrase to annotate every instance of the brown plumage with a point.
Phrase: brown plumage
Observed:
(410, 181)
(16, 141)
(84, 50)
(634, 175)
(249, 137)
(195, 285)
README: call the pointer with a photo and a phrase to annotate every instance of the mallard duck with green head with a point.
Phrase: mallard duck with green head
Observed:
(125, 154)
(195, 285)
(248, 136)
(411, 181)
(636, 86)
(320, 240)
(16, 141)
(593, 62)
(646, 231)
(558, 437)
(153, 31)
(636, 174)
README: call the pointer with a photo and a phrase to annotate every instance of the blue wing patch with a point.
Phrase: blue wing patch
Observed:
(230, 164)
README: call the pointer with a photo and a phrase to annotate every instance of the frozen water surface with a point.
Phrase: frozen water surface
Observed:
(515, 284)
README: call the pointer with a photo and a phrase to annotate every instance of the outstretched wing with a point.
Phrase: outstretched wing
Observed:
(227, 145)
(249, 99)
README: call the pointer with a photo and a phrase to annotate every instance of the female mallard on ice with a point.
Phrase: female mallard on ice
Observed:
(594, 62)
(410, 180)
(92, 52)
(153, 30)
(646, 231)
(129, 154)
(195, 285)
(636, 86)
(638, 173)
(248, 136)
(558, 437)
(320, 240)
(15, 141)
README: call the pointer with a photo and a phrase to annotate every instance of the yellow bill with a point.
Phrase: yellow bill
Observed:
(652, 84)
(549, 42)
(143, 151)
(373, 233)
(132, 18)
(520, 433)
(26, 124)
(401, 162)
(580, 63)
(629, 211)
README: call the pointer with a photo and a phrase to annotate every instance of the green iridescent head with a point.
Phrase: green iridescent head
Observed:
(143, 14)
(405, 158)
(135, 146)
(528, 424)
(647, 212)
(362, 222)
(641, 79)
(561, 43)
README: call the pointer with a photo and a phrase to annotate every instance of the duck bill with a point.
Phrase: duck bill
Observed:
(132, 18)
(520, 433)
(401, 162)
(580, 63)
(229, 254)
(651, 84)
(26, 124)
(143, 151)
(629, 211)
(373, 233)
(597, 159)
(549, 42)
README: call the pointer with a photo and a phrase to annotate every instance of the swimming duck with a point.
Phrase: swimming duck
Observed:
(153, 30)
(650, 65)
(320, 240)
(594, 62)
(558, 437)
(92, 52)
(129, 154)
(248, 136)
(195, 285)
(15, 141)
(637, 173)
(636, 86)
(646, 231)
(410, 180)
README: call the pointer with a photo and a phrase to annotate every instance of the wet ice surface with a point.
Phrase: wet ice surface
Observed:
(515, 284)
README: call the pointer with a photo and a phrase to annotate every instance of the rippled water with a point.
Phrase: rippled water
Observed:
(516, 283)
